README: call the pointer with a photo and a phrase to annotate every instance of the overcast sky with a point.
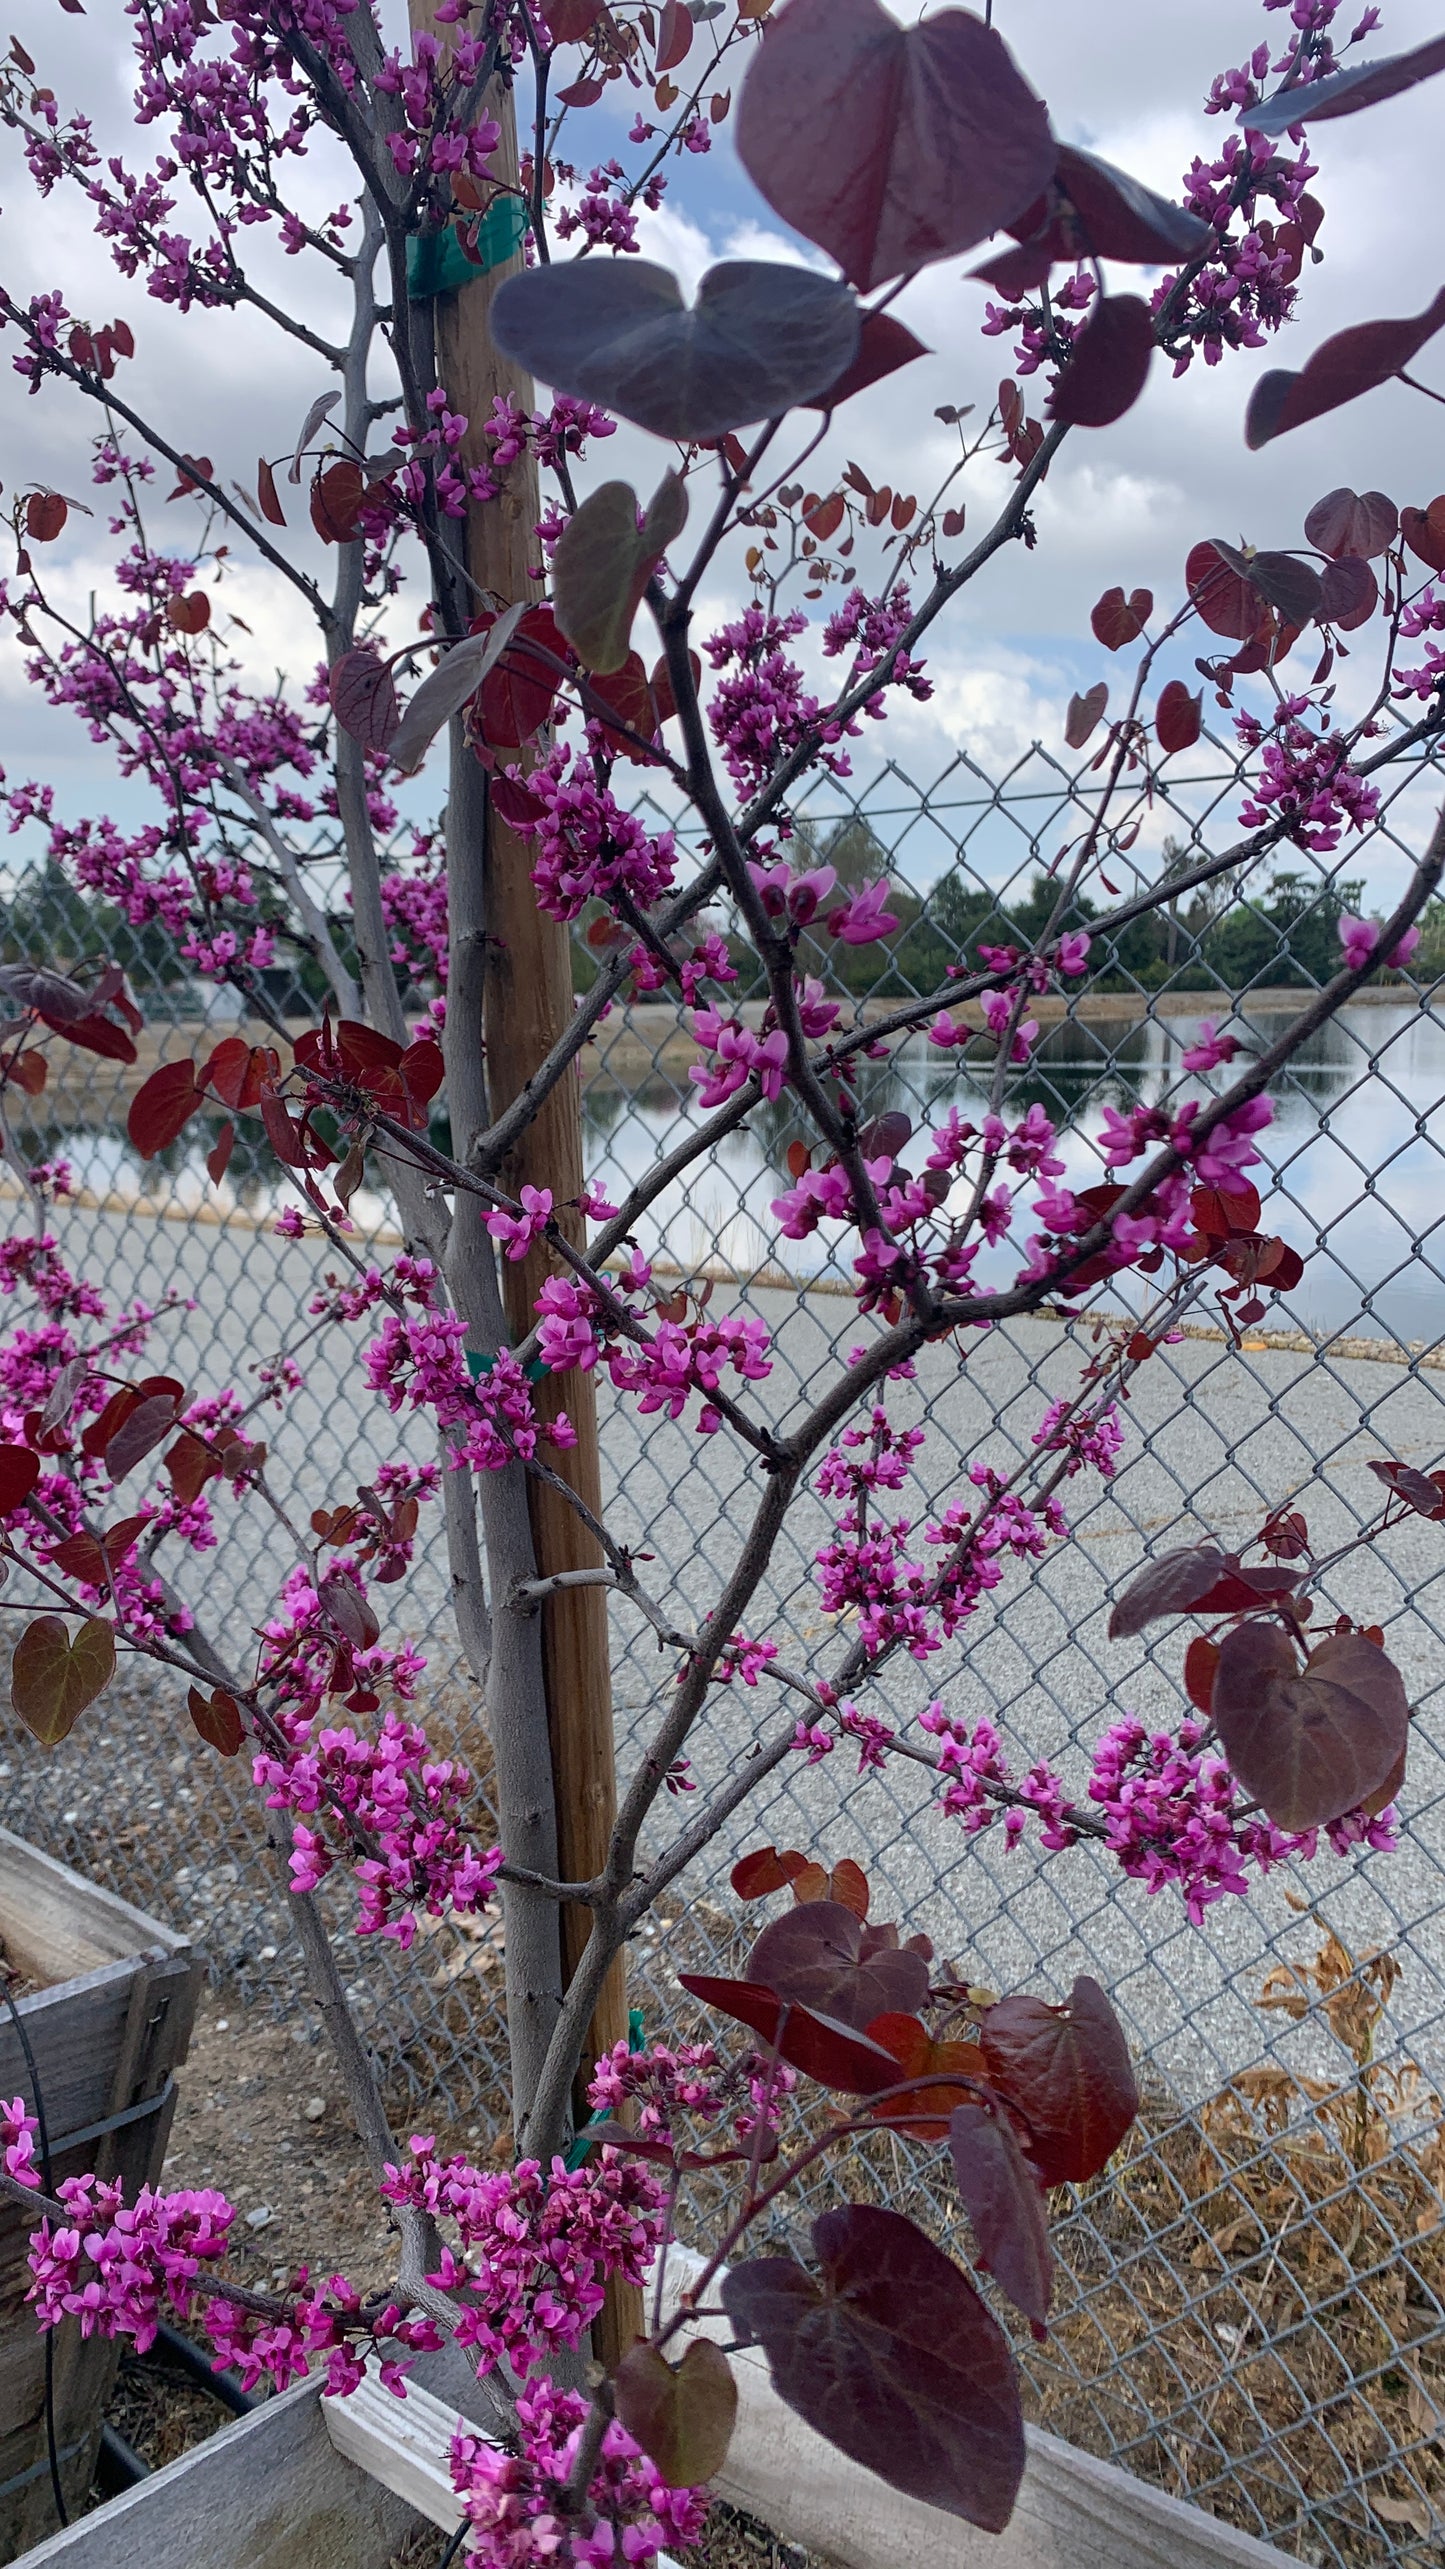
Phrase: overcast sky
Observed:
(1126, 78)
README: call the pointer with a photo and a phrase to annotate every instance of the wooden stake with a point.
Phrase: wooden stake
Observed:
(527, 1004)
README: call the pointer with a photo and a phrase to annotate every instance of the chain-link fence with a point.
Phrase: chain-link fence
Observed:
(1252, 2302)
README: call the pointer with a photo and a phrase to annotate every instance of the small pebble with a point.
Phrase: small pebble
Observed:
(223, 2024)
(259, 2216)
(315, 2108)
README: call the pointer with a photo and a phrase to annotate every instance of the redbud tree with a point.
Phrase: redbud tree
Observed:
(463, 149)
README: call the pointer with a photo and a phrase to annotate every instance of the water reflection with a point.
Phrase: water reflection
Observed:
(1356, 1154)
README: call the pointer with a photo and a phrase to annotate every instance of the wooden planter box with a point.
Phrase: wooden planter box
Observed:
(308, 2482)
(108, 2026)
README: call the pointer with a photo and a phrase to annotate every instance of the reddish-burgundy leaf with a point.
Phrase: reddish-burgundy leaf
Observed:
(1002, 2199)
(1345, 92)
(1347, 521)
(1352, 362)
(1349, 593)
(53, 1679)
(1120, 218)
(957, 2066)
(191, 1463)
(1179, 717)
(189, 614)
(1280, 578)
(826, 516)
(1201, 1664)
(336, 497)
(818, 1957)
(892, 2356)
(1084, 712)
(101, 1035)
(349, 1610)
(755, 1875)
(217, 1717)
(45, 516)
(674, 38)
(884, 344)
(284, 1135)
(581, 93)
(1424, 531)
(19, 1472)
(933, 137)
(1066, 2071)
(29, 1072)
(268, 494)
(1309, 1744)
(517, 696)
(1118, 620)
(1228, 602)
(162, 1107)
(1220, 1214)
(835, 2055)
(1109, 366)
(238, 1072)
(849, 1883)
(364, 699)
(218, 1157)
(571, 20)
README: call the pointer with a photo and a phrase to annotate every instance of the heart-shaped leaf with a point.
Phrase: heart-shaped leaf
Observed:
(1107, 370)
(891, 2355)
(760, 337)
(162, 1107)
(603, 563)
(52, 1678)
(1352, 362)
(1169, 1585)
(818, 1955)
(934, 138)
(1281, 579)
(683, 2415)
(1084, 712)
(217, 1717)
(363, 699)
(1311, 1743)
(1347, 521)
(1344, 92)
(140, 1431)
(925, 2113)
(1118, 620)
(1002, 2199)
(1420, 1490)
(1349, 593)
(884, 344)
(1179, 718)
(1424, 531)
(835, 2055)
(1066, 2071)
(1226, 598)
(1118, 217)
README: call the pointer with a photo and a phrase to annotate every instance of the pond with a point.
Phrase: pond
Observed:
(1354, 1174)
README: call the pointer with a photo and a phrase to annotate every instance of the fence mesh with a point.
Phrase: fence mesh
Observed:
(1252, 2300)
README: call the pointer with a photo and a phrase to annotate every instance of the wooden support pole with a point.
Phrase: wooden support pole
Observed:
(527, 1003)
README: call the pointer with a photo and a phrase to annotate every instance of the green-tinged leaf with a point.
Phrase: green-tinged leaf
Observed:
(682, 2417)
(52, 1678)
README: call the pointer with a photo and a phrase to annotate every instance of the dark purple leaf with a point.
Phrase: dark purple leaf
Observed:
(1343, 93)
(1309, 1745)
(892, 2356)
(1067, 2073)
(1349, 593)
(143, 1428)
(1342, 368)
(1110, 362)
(884, 345)
(818, 2045)
(822, 1956)
(348, 1610)
(1002, 2199)
(1120, 218)
(934, 139)
(1171, 1585)
(1282, 580)
(1417, 1489)
(363, 698)
(51, 996)
(1347, 521)
(760, 337)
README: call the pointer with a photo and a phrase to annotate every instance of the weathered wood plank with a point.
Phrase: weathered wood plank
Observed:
(270, 2492)
(55, 1925)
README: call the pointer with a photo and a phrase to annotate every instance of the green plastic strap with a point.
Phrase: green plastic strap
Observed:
(588, 2134)
(436, 263)
(478, 1364)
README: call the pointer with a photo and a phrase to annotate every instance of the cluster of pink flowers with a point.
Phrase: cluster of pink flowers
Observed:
(737, 1055)
(1304, 777)
(537, 2248)
(120, 2269)
(1360, 937)
(763, 709)
(512, 2501)
(1088, 1438)
(871, 627)
(19, 2132)
(1423, 615)
(687, 2078)
(401, 1813)
(660, 1370)
(588, 847)
(604, 212)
